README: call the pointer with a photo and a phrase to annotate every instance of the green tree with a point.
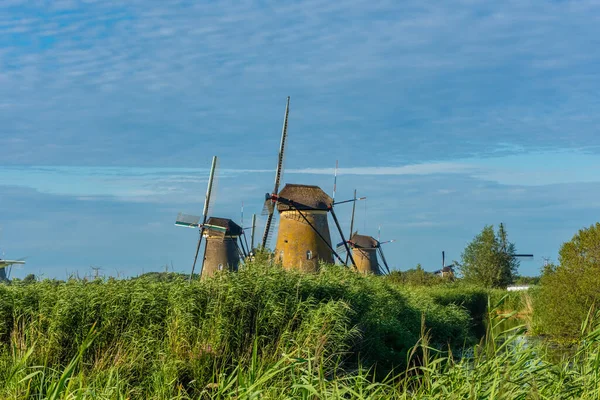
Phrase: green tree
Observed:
(488, 260)
(569, 290)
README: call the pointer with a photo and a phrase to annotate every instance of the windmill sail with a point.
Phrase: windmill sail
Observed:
(252, 232)
(278, 173)
(352, 221)
(187, 220)
(383, 259)
(205, 212)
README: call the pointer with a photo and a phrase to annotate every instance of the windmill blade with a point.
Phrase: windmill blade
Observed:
(247, 248)
(244, 245)
(337, 224)
(334, 181)
(278, 173)
(340, 247)
(351, 200)
(187, 220)
(209, 190)
(352, 222)
(271, 230)
(205, 213)
(197, 251)
(386, 241)
(269, 211)
(252, 232)
(269, 206)
(383, 259)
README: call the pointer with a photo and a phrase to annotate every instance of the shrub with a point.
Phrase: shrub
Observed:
(569, 290)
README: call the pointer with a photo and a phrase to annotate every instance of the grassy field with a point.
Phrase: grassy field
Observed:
(266, 333)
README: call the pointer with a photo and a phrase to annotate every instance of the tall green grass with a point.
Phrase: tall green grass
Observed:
(156, 333)
(501, 367)
(268, 333)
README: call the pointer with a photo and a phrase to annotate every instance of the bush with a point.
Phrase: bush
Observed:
(569, 290)
(416, 276)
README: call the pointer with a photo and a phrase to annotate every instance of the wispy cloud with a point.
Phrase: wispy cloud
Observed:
(153, 83)
(415, 169)
(184, 185)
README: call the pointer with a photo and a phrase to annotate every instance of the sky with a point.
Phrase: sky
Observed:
(448, 116)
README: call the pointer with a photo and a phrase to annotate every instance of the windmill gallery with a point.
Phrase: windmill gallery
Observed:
(303, 238)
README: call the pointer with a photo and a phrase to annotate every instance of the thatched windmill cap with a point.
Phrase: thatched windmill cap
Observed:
(232, 229)
(363, 241)
(305, 197)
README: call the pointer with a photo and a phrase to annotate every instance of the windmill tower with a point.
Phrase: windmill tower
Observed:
(222, 250)
(303, 237)
(365, 250)
(221, 236)
(447, 271)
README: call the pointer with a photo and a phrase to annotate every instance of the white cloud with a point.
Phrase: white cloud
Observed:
(423, 79)
(415, 169)
(185, 185)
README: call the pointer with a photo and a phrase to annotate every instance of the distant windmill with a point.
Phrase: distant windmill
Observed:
(365, 250)
(7, 264)
(221, 250)
(96, 271)
(270, 204)
(505, 250)
(447, 270)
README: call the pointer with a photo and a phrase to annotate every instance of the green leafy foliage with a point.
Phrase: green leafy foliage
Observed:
(569, 289)
(416, 276)
(488, 259)
(527, 280)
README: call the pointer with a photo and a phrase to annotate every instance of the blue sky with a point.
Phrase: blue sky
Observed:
(447, 115)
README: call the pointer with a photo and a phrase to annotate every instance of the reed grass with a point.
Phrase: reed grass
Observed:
(267, 333)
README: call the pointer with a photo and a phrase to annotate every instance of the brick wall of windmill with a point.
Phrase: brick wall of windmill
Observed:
(220, 254)
(298, 245)
(366, 260)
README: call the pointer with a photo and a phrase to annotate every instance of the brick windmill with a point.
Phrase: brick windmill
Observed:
(303, 237)
(222, 250)
(366, 250)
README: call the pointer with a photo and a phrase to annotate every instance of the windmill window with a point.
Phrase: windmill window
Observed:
(281, 255)
(220, 266)
(309, 255)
